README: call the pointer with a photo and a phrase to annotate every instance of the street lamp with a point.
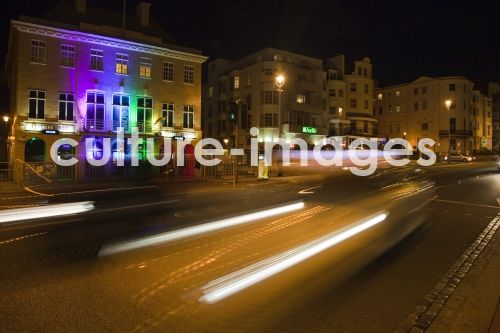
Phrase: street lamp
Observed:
(280, 82)
(448, 103)
(6, 121)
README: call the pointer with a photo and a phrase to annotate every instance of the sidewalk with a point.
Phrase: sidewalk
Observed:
(475, 304)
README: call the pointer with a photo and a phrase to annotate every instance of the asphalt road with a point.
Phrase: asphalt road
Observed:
(52, 278)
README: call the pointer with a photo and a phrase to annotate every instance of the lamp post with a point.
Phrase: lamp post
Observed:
(280, 82)
(447, 103)
(6, 121)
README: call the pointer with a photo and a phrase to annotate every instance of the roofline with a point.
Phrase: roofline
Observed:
(104, 40)
(425, 79)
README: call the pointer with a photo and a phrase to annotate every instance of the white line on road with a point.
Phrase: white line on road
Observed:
(136, 206)
(308, 190)
(466, 203)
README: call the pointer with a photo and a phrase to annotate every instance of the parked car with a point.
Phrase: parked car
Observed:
(457, 157)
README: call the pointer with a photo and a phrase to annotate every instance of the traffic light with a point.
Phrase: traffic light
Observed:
(233, 112)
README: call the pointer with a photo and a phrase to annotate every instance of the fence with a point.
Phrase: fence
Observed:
(6, 173)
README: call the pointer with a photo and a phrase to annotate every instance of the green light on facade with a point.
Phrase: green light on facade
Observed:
(309, 130)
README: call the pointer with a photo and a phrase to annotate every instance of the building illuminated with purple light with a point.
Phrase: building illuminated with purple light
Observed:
(72, 76)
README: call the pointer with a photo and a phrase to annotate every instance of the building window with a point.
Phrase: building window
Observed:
(249, 79)
(94, 119)
(398, 108)
(365, 71)
(145, 67)
(380, 110)
(277, 57)
(188, 116)
(366, 88)
(167, 113)
(390, 108)
(269, 97)
(235, 82)
(300, 98)
(36, 106)
(222, 107)
(210, 92)
(398, 94)
(415, 106)
(424, 90)
(189, 74)
(121, 105)
(249, 101)
(332, 92)
(332, 109)
(145, 114)
(66, 103)
(415, 91)
(38, 51)
(366, 104)
(452, 87)
(379, 96)
(269, 120)
(425, 126)
(96, 60)
(353, 87)
(67, 56)
(121, 64)
(222, 125)
(354, 103)
(168, 71)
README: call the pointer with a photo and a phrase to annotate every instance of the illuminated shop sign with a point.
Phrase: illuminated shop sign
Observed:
(309, 130)
(50, 131)
(48, 128)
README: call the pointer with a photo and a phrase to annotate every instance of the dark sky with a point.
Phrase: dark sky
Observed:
(404, 39)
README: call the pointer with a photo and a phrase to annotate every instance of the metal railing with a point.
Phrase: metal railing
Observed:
(6, 173)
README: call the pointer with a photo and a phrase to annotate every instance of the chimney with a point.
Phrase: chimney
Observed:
(81, 6)
(143, 13)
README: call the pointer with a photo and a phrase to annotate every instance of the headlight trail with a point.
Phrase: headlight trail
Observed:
(197, 230)
(246, 277)
(20, 214)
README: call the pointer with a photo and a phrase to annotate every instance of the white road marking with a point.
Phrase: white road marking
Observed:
(136, 206)
(308, 190)
(466, 203)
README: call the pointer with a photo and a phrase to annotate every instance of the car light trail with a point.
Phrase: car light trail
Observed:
(197, 230)
(246, 277)
(20, 214)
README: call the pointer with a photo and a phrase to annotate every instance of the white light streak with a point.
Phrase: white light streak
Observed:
(38, 212)
(246, 277)
(197, 230)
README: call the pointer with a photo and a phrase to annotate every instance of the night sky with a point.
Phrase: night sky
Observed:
(404, 39)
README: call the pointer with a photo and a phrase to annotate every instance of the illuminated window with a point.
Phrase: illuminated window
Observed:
(96, 60)
(167, 113)
(38, 51)
(398, 93)
(379, 96)
(236, 82)
(94, 119)
(189, 74)
(67, 56)
(66, 103)
(121, 64)
(145, 114)
(210, 92)
(188, 116)
(168, 71)
(145, 67)
(301, 99)
(36, 105)
(121, 112)
(398, 108)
